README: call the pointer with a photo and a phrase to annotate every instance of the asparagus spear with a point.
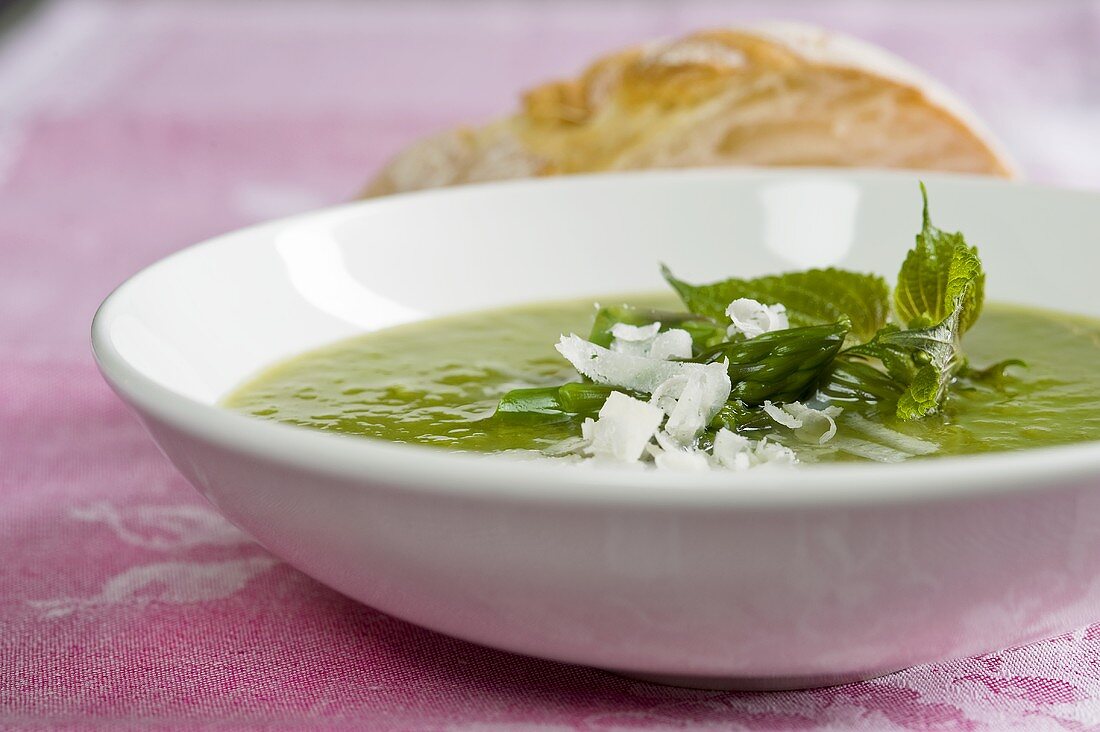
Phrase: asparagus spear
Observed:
(781, 366)
(704, 331)
(550, 404)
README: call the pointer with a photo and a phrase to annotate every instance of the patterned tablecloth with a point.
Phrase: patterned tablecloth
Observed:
(128, 130)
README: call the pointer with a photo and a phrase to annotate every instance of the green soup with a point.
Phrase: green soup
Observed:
(437, 382)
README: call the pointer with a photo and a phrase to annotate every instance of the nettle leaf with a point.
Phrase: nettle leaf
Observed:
(813, 297)
(922, 362)
(938, 272)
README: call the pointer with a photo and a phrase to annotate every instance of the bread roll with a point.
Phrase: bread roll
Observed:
(776, 94)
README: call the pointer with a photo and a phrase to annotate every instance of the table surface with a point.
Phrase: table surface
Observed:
(129, 130)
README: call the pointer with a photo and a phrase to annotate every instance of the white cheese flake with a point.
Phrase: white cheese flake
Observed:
(684, 398)
(731, 450)
(624, 428)
(624, 332)
(669, 454)
(781, 416)
(648, 341)
(636, 373)
(752, 317)
(697, 397)
(674, 343)
(809, 424)
(737, 452)
(772, 454)
(636, 340)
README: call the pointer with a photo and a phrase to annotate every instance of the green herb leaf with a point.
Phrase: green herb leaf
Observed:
(939, 271)
(780, 366)
(922, 362)
(813, 297)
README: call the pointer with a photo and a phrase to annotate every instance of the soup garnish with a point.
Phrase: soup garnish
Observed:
(755, 358)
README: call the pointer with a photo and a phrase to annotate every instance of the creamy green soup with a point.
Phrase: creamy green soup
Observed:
(437, 383)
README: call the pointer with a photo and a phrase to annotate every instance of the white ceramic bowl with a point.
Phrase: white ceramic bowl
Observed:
(760, 580)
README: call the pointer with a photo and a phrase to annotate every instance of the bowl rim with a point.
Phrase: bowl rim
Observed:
(438, 472)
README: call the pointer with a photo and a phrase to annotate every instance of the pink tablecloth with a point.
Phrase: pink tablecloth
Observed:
(128, 130)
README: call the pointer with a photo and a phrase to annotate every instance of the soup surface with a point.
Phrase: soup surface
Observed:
(437, 383)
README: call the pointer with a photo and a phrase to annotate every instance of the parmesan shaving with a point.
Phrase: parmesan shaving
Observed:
(649, 342)
(752, 317)
(684, 398)
(674, 343)
(669, 454)
(702, 393)
(636, 340)
(737, 452)
(623, 430)
(629, 371)
(625, 332)
(809, 424)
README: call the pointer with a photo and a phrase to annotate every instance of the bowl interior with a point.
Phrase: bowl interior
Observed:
(203, 320)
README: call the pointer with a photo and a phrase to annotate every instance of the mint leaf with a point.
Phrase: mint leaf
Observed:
(938, 272)
(813, 297)
(780, 366)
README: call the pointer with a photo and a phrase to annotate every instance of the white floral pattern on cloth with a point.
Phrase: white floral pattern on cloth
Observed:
(171, 582)
(151, 611)
(172, 528)
(163, 527)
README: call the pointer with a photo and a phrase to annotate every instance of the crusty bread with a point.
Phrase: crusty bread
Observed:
(776, 94)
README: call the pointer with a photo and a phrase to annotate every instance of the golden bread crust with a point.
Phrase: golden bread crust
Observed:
(775, 95)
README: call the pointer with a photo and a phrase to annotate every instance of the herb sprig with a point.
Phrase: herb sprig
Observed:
(852, 340)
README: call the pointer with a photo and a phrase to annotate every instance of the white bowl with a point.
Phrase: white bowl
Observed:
(761, 580)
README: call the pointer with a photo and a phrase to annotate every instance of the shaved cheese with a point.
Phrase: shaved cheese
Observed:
(752, 317)
(675, 343)
(666, 394)
(767, 452)
(702, 394)
(625, 332)
(669, 454)
(781, 416)
(624, 428)
(636, 373)
(737, 452)
(649, 342)
(636, 340)
(731, 450)
(684, 398)
(681, 460)
(809, 424)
